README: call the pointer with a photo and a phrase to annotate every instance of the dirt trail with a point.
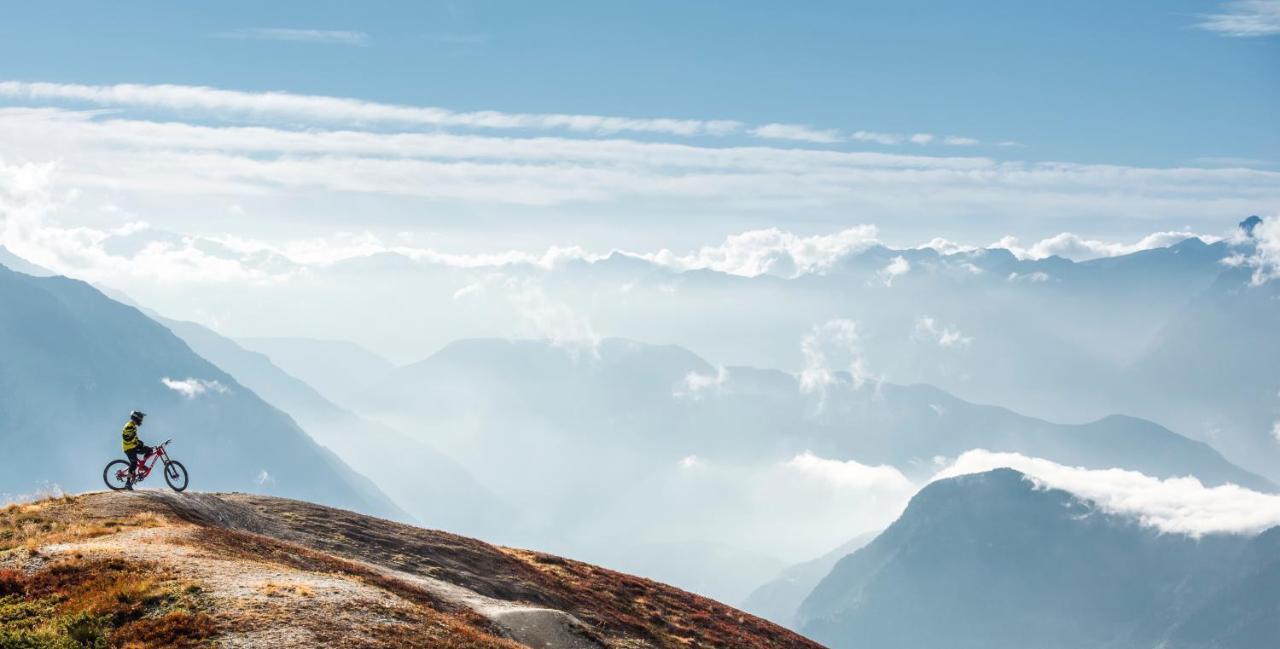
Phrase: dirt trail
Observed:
(534, 626)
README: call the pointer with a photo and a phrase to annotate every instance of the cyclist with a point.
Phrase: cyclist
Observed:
(134, 449)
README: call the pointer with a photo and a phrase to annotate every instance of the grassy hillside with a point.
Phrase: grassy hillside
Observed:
(153, 569)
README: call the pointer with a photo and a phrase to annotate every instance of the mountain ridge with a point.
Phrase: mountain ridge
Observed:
(1001, 563)
(77, 362)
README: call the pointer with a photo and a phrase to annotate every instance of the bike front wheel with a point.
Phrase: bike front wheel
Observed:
(116, 475)
(176, 475)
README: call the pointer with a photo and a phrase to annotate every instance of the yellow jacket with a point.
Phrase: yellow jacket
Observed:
(129, 437)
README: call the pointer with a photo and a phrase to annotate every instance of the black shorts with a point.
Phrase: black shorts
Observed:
(137, 453)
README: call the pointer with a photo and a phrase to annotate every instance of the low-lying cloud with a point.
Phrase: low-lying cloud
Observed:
(828, 349)
(1077, 248)
(930, 329)
(191, 388)
(1173, 505)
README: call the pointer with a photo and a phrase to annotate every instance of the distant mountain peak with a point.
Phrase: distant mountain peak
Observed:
(1250, 223)
(21, 265)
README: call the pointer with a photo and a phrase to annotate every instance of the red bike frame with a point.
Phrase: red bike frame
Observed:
(149, 461)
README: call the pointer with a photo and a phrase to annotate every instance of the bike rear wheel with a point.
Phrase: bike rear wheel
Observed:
(116, 475)
(176, 475)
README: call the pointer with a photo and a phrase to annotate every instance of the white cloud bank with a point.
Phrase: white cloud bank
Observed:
(1077, 248)
(1174, 505)
(849, 473)
(328, 109)
(191, 388)
(33, 206)
(773, 252)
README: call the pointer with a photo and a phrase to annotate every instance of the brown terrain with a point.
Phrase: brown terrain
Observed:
(157, 569)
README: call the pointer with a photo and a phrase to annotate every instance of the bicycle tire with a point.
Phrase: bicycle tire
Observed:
(109, 475)
(175, 475)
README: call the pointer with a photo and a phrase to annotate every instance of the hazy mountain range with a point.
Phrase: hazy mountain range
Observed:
(779, 599)
(1070, 341)
(711, 476)
(427, 484)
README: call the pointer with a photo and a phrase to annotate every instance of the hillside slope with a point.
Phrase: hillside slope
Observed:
(75, 362)
(164, 569)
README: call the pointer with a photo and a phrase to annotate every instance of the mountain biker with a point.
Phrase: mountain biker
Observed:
(134, 449)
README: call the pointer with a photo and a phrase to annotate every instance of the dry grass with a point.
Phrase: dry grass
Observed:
(272, 589)
(31, 526)
(638, 607)
(77, 603)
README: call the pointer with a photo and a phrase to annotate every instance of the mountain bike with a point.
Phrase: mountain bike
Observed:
(116, 475)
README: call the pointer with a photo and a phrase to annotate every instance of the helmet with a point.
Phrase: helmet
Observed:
(137, 416)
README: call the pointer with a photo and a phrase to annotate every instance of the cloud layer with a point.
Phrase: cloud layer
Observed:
(32, 208)
(1175, 506)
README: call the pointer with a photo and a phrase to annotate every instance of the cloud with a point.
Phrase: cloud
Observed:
(695, 385)
(896, 266)
(849, 473)
(1245, 19)
(1174, 505)
(1264, 258)
(33, 202)
(1037, 277)
(191, 388)
(827, 349)
(878, 138)
(177, 161)
(797, 132)
(690, 462)
(29, 205)
(947, 247)
(945, 336)
(953, 140)
(921, 138)
(548, 319)
(773, 252)
(317, 36)
(326, 109)
(1275, 431)
(1077, 248)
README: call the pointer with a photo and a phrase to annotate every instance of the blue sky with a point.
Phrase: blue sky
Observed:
(1120, 82)
(483, 127)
